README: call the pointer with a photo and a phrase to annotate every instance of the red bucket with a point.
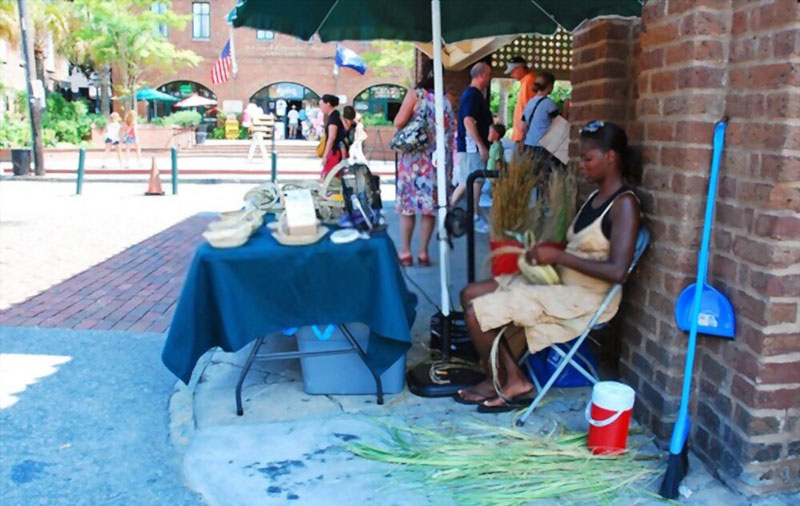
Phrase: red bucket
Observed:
(609, 417)
(507, 262)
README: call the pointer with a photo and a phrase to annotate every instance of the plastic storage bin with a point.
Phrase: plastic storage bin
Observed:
(345, 373)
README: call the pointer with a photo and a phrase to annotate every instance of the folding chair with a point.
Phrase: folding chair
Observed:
(641, 245)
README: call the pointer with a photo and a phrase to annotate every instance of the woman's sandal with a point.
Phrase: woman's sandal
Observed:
(471, 402)
(405, 260)
(424, 261)
(513, 404)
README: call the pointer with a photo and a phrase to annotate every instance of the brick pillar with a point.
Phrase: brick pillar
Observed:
(603, 76)
(700, 60)
(695, 61)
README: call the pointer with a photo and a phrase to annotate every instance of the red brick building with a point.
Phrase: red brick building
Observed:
(302, 69)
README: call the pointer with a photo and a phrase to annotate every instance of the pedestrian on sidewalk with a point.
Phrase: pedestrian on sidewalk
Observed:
(294, 118)
(474, 118)
(416, 172)
(335, 132)
(538, 115)
(263, 127)
(111, 137)
(517, 68)
(130, 137)
(359, 136)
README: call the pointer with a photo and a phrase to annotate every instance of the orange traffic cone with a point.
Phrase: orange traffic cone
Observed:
(155, 181)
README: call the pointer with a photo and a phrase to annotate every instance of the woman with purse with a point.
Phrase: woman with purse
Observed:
(416, 172)
(538, 114)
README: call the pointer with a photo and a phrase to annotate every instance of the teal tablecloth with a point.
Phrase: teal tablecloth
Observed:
(233, 296)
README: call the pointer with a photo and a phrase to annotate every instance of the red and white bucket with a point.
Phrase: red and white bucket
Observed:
(609, 416)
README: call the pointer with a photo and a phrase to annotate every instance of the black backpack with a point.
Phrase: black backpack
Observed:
(361, 191)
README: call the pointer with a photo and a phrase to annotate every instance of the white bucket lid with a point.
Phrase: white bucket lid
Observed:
(613, 396)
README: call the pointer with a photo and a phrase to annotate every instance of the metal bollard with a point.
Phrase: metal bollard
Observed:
(274, 159)
(81, 163)
(174, 171)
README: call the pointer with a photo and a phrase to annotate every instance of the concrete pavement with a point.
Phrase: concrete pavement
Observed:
(84, 421)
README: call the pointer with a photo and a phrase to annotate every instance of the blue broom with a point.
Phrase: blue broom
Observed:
(678, 462)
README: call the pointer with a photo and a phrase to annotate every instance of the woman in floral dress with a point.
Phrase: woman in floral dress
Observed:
(416, 172)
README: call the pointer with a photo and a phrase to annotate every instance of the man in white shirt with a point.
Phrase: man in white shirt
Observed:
(293, 116)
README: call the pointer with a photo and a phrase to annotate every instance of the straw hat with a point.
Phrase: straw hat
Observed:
(232, 219)
(229, 237)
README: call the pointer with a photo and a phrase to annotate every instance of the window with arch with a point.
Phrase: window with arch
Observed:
(378, 105)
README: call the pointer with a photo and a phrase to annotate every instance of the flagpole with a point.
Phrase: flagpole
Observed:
(336, 72)
(234, 65)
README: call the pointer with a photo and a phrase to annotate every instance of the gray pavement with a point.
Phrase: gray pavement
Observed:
(84, 420)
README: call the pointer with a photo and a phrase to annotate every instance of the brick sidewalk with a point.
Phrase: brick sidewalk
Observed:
(135, 290)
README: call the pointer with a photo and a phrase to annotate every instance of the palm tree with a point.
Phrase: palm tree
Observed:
(9, 21)
(51, 26)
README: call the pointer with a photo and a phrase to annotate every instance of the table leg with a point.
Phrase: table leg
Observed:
(354, 343)
(248, 363)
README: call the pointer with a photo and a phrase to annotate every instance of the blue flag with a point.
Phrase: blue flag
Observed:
(348, 58)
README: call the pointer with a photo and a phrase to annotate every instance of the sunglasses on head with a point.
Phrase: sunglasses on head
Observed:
(592, 127)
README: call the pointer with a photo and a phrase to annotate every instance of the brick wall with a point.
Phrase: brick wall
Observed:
(698, 60)
(262, 63)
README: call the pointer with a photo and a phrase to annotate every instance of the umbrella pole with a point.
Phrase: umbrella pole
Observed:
(441, 168)
(441, 378)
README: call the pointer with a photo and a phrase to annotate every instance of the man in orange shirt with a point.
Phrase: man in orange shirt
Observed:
(518, 69)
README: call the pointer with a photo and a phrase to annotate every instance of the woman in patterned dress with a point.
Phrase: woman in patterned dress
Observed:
(416, 172)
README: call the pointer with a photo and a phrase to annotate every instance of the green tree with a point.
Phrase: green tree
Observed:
(124, 33)
(390, 55)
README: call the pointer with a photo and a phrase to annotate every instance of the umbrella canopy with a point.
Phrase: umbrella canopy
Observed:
(154, 95)
(410, 19)
(435, 21)
(195, 100)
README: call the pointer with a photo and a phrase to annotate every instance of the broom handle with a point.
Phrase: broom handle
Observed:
(681, 430)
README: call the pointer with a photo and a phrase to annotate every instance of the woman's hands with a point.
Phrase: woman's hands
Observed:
(543, 255)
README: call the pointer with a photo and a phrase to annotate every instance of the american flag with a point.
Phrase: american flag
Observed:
(220, 72)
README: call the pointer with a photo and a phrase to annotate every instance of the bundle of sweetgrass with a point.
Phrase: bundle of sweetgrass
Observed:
(560, 194)
(511, 196)
(486, 465)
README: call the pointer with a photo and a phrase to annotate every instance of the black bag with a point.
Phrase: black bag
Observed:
(362, 196)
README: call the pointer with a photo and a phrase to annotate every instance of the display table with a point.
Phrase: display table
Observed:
(232, 297)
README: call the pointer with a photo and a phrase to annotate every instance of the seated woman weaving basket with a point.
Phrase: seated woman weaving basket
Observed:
(600, 246)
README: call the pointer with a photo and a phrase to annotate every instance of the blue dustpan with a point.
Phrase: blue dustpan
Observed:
(716, 313)
(711, 310)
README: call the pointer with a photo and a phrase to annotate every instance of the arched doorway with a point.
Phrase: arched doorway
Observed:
(179, 90)
(279, 98)
(379, 104)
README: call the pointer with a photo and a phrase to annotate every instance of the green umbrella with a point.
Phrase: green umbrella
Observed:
(154, 95)
(424, 21)
(411, 20)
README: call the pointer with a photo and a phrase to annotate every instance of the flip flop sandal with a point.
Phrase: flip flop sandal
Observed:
(405, 260)
(424, 261)
(512, 404)
(474, 402)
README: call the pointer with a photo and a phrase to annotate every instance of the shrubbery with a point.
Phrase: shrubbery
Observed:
(183, 119)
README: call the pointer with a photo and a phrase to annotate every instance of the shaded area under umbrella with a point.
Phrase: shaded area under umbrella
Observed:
(449, 21)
